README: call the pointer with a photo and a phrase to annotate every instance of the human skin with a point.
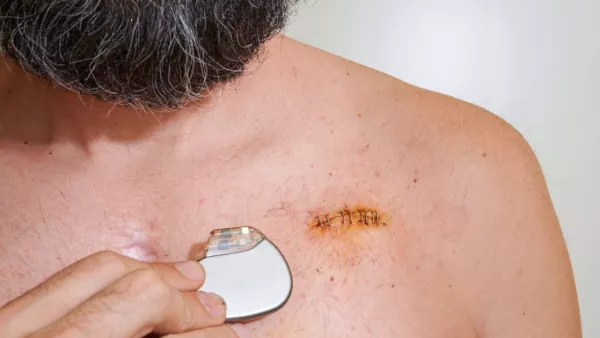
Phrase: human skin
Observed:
(471, 246)
(110, 295)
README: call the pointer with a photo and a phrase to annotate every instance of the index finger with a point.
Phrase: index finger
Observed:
(68, 288)
(139, 303)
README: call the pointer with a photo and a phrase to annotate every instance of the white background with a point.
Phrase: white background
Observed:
(536, 63)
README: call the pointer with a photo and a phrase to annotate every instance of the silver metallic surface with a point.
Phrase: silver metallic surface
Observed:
(253, 283)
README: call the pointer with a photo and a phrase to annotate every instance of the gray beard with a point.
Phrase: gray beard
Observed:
(144, 54)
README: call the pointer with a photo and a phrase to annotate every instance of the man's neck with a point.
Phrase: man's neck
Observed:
(33, 111)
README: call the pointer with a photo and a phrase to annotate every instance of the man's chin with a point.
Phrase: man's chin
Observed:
(146, 54)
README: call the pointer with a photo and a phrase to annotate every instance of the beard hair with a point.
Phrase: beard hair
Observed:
(139, 53)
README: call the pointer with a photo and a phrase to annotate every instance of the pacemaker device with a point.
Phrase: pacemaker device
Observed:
(245, 268)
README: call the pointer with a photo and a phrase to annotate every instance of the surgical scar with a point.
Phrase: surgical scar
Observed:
(357, 217)
(347, 236)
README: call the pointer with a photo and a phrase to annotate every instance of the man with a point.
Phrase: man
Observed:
(138, 126)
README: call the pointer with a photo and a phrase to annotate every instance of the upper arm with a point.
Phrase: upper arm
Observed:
(516, 264)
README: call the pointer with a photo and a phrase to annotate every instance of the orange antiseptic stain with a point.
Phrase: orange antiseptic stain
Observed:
(347, 221)
(349, 236)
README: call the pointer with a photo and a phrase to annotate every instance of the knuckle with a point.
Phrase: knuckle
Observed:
(108, 260)
(187, 320)
(51, 285)
(150, 287)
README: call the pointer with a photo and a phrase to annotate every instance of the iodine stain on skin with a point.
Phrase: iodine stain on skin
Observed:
(349, 235)
(348, 218)
(355, 250)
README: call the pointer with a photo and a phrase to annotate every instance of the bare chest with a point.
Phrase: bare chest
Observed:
(370, 283)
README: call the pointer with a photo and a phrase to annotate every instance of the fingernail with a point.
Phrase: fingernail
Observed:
(214, 304)
(241, 330)
(192, 270)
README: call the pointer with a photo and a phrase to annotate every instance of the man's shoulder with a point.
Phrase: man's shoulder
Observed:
(454, 142)
(464, 175)
(391, 106)
(450, 144)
